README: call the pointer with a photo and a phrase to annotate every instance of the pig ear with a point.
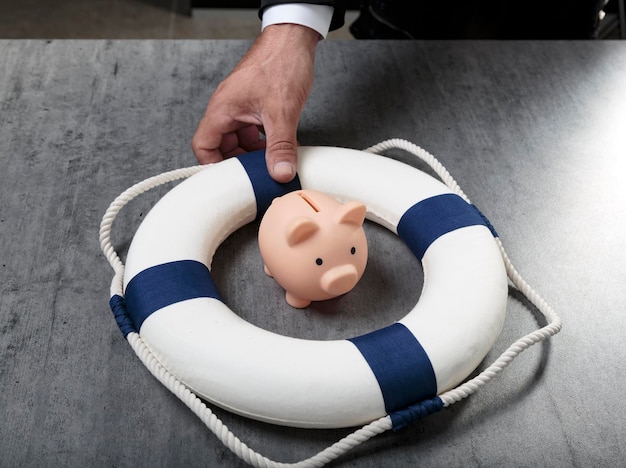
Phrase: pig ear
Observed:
(352, 212)
(300, 229)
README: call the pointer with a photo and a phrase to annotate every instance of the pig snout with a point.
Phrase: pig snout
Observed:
(339, 280)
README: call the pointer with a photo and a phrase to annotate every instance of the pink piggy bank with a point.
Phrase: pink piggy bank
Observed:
(313, 245)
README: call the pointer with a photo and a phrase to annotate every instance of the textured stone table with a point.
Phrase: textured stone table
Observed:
(534, 132)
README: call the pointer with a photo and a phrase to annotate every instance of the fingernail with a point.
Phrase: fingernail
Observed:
(283, 170)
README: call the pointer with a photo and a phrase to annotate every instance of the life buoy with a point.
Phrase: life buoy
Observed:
(170, 297)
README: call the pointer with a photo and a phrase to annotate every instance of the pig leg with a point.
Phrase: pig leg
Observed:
(267, 272)
(296, 302)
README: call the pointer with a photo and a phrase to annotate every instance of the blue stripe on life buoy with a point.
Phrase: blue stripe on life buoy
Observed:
(265, 188)
(429, 219)
(400, 364)
(162, 285)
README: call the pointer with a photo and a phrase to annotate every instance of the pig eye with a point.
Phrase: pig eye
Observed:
(353, 250)
(319, 261)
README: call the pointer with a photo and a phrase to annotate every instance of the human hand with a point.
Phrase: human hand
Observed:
(265, 93)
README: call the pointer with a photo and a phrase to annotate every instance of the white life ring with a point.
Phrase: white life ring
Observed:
(173, 304)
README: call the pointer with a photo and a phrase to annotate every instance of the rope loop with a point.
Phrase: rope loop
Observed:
(215, 425)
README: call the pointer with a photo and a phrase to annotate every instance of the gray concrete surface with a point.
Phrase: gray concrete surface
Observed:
(534, 132)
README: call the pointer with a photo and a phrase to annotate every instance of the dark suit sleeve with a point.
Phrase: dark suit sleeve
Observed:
(339, 11)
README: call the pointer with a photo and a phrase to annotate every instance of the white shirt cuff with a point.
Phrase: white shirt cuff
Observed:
(316, 17)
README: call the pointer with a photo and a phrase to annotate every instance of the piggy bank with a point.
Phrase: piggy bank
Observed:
(313, 245)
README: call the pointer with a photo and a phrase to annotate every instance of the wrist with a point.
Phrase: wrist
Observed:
(291, 35)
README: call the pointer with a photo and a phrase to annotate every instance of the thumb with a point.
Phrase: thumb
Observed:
(281, 155)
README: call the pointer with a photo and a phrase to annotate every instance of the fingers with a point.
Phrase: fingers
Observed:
(268, 88)
(281, 150)
(281, 144)
(206, 143)
(249, 139)
(215, 141)
(210, 146)
(281, 159)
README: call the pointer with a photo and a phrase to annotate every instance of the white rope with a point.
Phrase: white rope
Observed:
(231, 441)
(425, 156)
(368, 431)
(554, 322)
(120, 202)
